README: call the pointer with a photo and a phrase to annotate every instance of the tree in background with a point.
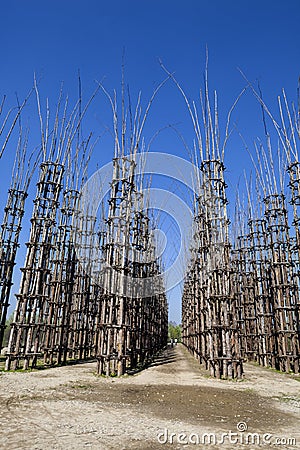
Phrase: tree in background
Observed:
(174, 331)
(7, 330)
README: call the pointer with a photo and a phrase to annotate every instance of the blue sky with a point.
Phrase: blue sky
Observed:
(55, 39)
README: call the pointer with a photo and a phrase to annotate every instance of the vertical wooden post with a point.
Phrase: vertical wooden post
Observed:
(31, 315)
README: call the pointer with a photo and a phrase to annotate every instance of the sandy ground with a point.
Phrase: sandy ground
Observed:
(72, 408)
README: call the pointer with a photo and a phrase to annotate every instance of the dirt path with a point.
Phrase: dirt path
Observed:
(71, 408)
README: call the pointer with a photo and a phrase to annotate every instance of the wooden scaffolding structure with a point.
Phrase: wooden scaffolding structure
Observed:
(133, 326)
(29, 326)
(210, 326)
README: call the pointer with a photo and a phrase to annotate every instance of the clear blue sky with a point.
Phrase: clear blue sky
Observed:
(56, 38)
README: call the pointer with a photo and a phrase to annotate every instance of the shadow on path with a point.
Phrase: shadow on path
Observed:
(166, 356)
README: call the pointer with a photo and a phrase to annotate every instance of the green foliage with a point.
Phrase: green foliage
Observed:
(7, 330)
(174, 331)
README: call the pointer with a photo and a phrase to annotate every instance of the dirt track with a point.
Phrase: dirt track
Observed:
(71, 408)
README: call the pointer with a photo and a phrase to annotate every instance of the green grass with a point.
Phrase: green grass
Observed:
(41, 365)
(250, 390)
(234, 380)
(81, 386)
(288, 399)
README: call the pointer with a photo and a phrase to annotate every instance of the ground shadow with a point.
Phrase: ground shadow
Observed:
(166, 356)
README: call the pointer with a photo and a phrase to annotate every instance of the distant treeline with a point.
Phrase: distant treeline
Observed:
(174, 331)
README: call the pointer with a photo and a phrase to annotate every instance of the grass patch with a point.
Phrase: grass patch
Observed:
(81, 386)
(293, 401)
(235, 380)
(41, 365)
(249, 390)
